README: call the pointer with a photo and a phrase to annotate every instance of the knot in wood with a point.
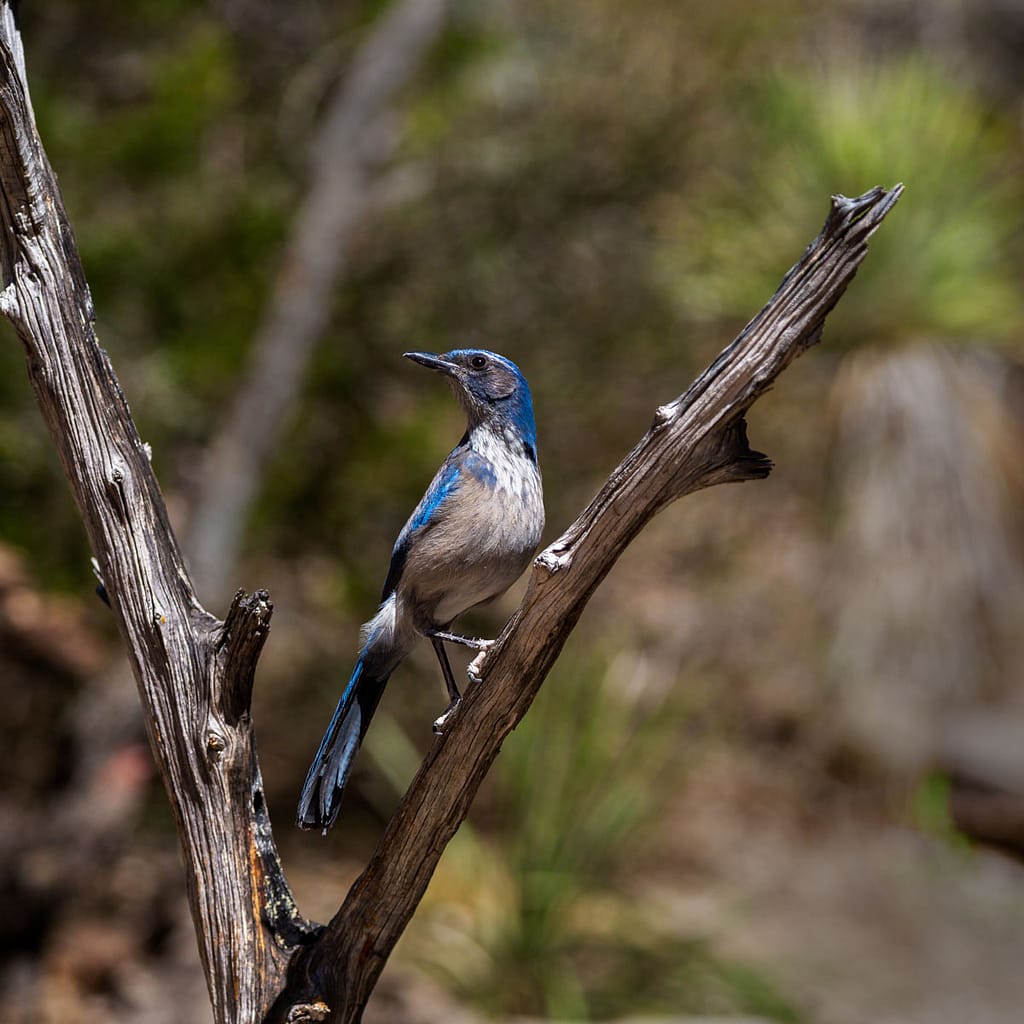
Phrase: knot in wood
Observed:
(551, 562)
(662, 416)
(303, 1012)
(115, 488)
(215, 745)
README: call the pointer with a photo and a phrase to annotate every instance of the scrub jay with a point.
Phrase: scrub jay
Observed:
(467, 541)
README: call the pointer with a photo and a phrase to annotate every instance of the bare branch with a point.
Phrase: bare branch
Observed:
(193, 674)
(694, 442)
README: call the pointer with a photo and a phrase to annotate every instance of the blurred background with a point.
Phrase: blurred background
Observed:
(778, 772)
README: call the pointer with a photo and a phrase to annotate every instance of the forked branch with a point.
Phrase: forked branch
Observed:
(195, 674)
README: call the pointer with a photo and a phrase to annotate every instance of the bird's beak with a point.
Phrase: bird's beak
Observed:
(432, 362)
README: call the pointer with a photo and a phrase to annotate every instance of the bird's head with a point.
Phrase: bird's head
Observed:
(490, 388)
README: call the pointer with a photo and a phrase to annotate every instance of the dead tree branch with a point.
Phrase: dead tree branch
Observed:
(696, 441)
(195, 673)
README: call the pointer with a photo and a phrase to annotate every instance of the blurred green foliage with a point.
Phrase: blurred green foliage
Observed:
(951, 269)
(177, 225)
(605, 198)
(605, 192)
(930, 810)
(540, 917)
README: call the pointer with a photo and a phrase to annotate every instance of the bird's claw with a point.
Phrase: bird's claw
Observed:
(477, 664)
(441, 723)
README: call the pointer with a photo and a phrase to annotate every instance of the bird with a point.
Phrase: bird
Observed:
(467, 541)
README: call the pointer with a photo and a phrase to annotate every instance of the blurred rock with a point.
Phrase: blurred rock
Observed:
(983, 752)
(927, 586)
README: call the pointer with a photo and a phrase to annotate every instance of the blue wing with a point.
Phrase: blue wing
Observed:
(442, 487)
(462, 463)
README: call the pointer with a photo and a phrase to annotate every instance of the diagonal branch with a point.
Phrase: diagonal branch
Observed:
(194, 674)
(694, 442)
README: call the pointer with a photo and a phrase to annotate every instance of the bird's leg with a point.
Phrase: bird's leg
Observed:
(449, 681)
(473, 642)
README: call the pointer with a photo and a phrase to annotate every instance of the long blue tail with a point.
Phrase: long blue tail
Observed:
(325, 781)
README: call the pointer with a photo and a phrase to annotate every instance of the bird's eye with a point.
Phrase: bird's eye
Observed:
(478, 362)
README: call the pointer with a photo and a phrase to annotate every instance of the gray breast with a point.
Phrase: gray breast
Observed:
(483, 545)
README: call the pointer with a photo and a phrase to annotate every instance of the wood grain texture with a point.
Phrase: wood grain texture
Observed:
(195, 674)
(696, 441)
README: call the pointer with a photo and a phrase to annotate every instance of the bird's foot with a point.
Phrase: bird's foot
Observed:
(477, 664)
(475, 643)
(441, 723)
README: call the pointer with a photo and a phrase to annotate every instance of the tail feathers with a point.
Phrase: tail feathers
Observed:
(325, 781)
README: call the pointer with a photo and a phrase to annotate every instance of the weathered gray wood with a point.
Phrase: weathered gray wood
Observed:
(195, 674)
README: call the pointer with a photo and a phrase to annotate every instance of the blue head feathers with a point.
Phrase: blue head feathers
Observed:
(490, 388)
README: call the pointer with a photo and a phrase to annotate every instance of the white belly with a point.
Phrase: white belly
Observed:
(478, 551)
